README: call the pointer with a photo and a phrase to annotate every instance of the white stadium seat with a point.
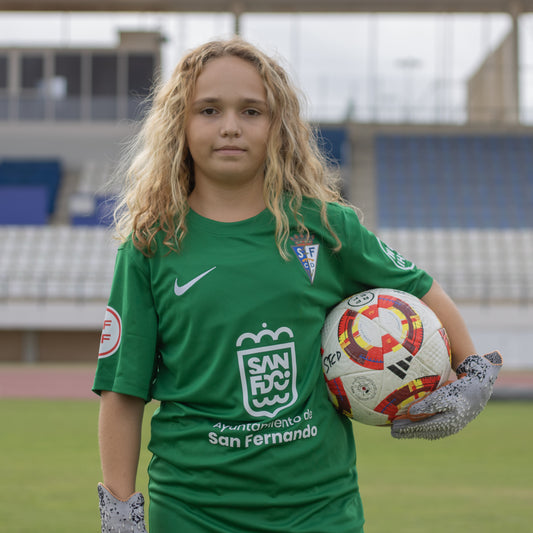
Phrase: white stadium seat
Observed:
(472, 264)
(55, 262)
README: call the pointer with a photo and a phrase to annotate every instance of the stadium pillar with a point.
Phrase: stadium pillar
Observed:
(237, 9)
(30, 346)
(514, 113)
(494, 89)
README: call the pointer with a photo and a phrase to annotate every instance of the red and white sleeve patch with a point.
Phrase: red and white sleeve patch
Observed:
(111, 333)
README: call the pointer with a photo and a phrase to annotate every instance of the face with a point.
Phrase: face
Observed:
(228, 124)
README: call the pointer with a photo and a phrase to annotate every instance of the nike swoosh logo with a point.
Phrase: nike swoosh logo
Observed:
(178, 291)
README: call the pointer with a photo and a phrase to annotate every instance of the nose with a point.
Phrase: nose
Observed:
(230, 126)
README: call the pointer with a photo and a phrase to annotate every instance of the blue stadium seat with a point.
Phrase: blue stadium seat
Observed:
(33, 173)
(100, 215)
(23, 204)
(333, 141)
(454, 181)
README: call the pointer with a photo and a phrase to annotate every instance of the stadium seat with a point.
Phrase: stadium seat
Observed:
(23, 204)
(472, 264)
(454, 181)
(55, 262)
(45, 174)
(460, 206)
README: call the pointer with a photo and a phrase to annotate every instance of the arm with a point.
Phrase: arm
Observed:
(119, 435)
(451, 407)
(444, 307)
(119, 425)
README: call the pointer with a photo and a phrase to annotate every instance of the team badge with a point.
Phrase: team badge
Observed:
(306, 252)
(267, 365)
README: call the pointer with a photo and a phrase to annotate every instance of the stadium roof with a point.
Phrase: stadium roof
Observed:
(275, 6)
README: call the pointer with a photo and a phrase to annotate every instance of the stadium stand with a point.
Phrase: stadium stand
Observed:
(474, 265)
(28, 190)
(333, 141)
(23, 204)
(43, 263)
(478, 242)
(459, 181)
(93, 201)
(461, 207)
(459, 204)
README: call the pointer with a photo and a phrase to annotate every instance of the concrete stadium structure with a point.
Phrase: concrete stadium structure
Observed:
(52, 300)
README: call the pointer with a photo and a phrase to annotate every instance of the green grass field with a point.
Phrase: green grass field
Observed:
(478, 481)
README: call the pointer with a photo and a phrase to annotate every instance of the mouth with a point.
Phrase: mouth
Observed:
(230, 150)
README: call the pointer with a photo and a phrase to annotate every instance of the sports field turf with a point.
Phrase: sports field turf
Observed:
(478, 481)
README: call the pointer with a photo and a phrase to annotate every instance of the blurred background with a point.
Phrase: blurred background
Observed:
(426, 107)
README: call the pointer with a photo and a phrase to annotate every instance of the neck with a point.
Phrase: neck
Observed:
(227, 205)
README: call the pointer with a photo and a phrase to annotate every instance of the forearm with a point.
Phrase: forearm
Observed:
(449, 408)
(119, 435)
(461, 343)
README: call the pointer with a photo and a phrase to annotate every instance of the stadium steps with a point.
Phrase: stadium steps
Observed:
(454, 181)
(67, 189)
(473, 265)
(92, 202)
(40, 263)
(75, 263)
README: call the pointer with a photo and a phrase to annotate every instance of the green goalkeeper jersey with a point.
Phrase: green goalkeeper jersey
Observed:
(225, 334)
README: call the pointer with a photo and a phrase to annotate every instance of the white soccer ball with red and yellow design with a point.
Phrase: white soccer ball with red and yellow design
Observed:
(381, 350)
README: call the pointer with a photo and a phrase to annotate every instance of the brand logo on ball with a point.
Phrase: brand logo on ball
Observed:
(396, 257)
(306, 252)
(363, 298)
(267, 365)
(111, 333)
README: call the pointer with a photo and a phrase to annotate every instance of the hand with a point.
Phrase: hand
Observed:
(451, 407)
(119, 516)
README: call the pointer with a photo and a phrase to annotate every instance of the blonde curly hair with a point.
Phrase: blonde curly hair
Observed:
(159, 173)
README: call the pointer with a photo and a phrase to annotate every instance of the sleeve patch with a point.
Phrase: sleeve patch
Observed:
(396, 257)
(111, 333)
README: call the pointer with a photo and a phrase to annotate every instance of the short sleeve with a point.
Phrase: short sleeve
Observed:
(128, 344)
(375, 264)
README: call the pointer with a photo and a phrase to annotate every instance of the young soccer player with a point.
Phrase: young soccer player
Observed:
(236, 245)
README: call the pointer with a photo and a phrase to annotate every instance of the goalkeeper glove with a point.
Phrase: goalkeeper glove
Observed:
(451, 407)
(121, 516)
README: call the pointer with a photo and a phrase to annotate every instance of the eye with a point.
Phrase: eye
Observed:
(208, 111)
(252, 112)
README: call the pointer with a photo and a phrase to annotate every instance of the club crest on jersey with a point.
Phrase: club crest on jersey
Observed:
(267, 365)
(306, 252)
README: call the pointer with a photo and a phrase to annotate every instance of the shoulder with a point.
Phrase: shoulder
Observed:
(339, 216)
(333, 209)
(130, 253)
(128, 249)
(137, 249)
(344, 212)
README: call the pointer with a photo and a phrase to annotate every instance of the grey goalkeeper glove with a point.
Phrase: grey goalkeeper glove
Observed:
(450, 408)
(120, 516)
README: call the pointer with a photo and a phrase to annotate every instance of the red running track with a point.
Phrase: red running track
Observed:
(47, 381)
(74, 381)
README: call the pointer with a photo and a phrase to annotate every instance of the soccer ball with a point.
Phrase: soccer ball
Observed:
(381, 350)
